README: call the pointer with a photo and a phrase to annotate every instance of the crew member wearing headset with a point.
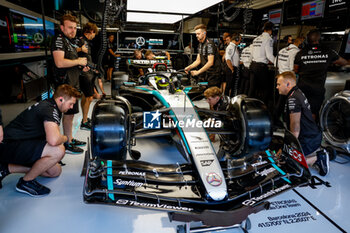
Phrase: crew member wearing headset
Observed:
(262, 54)
(208, 57)
(232, 61)
(311, 64)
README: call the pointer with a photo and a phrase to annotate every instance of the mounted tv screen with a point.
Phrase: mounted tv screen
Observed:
(275, 16)
(28, 31)
(313, 9)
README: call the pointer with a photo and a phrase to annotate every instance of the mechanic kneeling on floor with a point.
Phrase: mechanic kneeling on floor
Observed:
(33, 143)
(300, 122)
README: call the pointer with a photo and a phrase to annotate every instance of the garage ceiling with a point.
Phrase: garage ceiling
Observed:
(257, 4)
(164, 11)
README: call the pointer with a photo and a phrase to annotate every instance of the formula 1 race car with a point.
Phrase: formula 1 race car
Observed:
(218, 190)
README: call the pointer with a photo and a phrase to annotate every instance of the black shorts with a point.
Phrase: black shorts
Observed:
(87, 84)
(315, 96)
(111, 61)
(311, 144)
(315, 101)
(25, 152)
(74, 110)
(213, 80)
(228, 75)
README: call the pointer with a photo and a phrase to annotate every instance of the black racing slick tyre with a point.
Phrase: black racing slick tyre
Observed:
(109, 130)
(335, 121)
(256, 130)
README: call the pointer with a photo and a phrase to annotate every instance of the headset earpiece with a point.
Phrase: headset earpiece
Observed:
(237, 37)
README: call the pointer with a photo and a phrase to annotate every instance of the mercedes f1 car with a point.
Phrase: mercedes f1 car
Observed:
(219, 189)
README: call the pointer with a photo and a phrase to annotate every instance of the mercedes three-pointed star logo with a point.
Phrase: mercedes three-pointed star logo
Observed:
(214, 179)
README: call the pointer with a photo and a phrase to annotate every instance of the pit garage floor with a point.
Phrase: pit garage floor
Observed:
(325, 209)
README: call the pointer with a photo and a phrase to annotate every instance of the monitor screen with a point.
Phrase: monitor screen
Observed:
(275, 16)
(28, 32)
(313, 9)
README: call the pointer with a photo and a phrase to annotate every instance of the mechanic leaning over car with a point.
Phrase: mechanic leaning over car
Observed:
(217, 101)
(311, 64)
(149, 55)
(67, 69)
(137, 72)
(208, 57)
(262, 54)
(299, 121)
(33, 143)
(87, 79)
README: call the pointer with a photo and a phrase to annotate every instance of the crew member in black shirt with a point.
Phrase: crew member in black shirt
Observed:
(33, 143)
(87, 79)
(299, 121)
(66, 70)
(216, 100)
(208, 57)
(111, 56)
(311, 64)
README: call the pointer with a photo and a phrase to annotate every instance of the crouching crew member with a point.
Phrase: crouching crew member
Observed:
(299, 121)
(33, 143)
(262, 54)
(208, 57)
